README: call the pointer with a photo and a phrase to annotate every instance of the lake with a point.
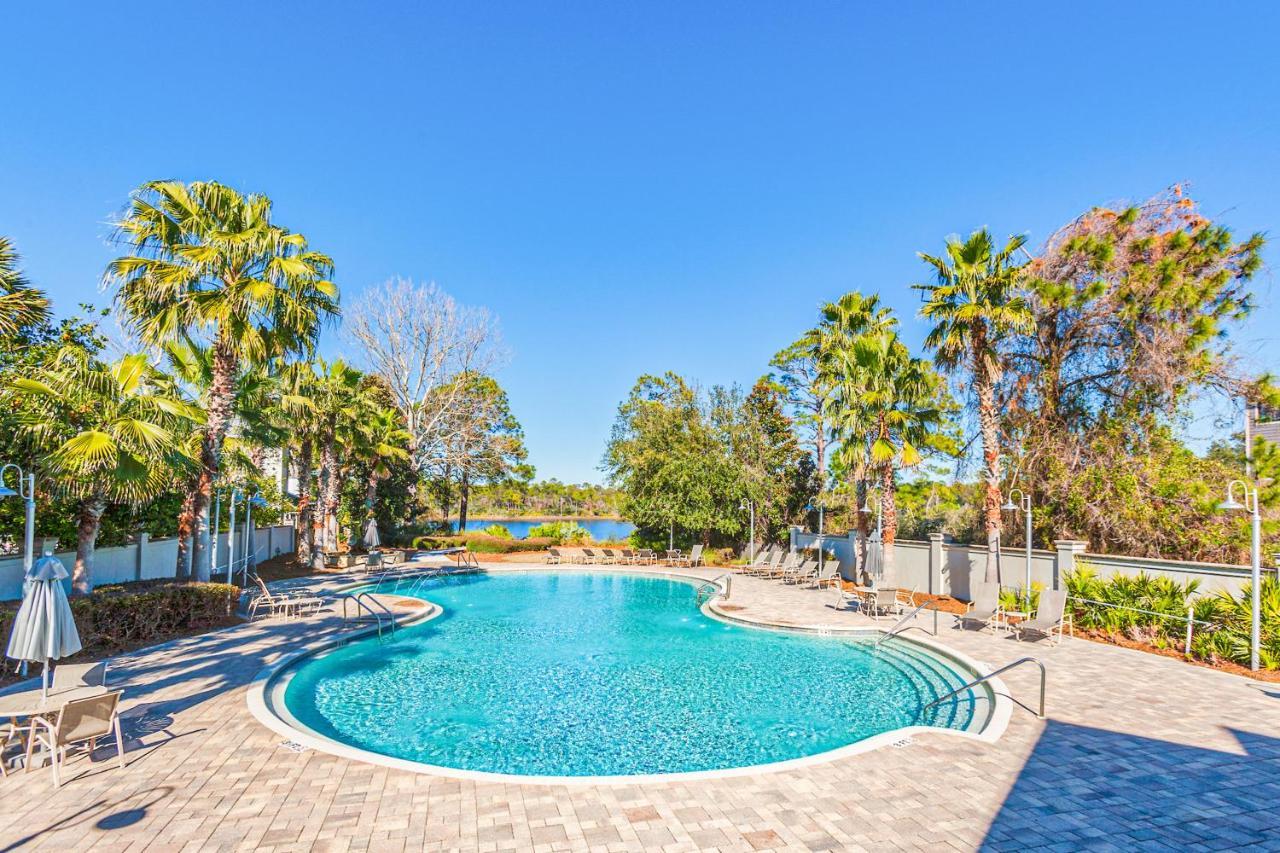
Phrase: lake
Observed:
(601, 529)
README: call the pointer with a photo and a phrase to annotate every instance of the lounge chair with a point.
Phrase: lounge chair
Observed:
(646, 557)
(762, 559)
(828, 575)
(984, 607)
(82, 721)
(1049, 619)
(798, 570)
(610, 557)
(907, 598)
(693, 558)
(788, 563)
(68, 676)
(588, 555)
(768, 569)
(283, 604)
(553, 556)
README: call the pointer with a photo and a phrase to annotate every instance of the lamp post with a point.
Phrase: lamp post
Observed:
(1024, 503)
(213, 546)
(1250, 505)
(249, 550)
(27, 491)
(751, 547)
(231, 535)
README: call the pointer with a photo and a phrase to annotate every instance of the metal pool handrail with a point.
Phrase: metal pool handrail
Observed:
(898, 627)
(1043, 678)
(714, 587)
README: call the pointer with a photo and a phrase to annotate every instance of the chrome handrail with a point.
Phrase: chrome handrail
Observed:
(716, 587)
(898, 626)
(1043, 678)
(365, 601)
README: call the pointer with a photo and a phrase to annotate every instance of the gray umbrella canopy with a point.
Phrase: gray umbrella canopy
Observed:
(371, 539)
(44, 628)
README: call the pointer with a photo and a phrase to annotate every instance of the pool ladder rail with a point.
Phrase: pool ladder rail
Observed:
(369, 611)
(717, 587)
(990, 675)
(901, 625)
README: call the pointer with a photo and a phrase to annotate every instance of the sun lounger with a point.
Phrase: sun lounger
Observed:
(283, 604)
(828, 575)
(1049, 618)
(553, 556)
(693, 558)
(984, 607)
(797, 570)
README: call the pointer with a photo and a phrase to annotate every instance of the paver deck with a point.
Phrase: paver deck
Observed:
(1138, 752)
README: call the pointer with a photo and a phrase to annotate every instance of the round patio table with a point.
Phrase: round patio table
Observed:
(30, 703)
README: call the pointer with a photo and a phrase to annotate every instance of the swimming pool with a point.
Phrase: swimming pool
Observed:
(573, 674)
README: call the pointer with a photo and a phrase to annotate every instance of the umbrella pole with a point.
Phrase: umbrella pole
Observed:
(44, 681)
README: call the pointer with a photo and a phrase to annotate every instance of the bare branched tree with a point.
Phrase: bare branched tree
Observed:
(419, 340)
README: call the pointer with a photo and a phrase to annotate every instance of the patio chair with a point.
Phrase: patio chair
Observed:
(82, 721)
(788, 563)
(907, 597)
(984, 608)
(553, 556)
(68, 676)
(1049, 618)
(774, 565)
(762, 559)
(693, 558)
(609, 557)
(629, 556)
(883, 602)
(283, 604)
(646, 557)
(828, 575)
(798, 570)
(588, 555)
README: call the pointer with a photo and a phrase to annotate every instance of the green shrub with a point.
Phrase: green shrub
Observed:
(116, 617)
(482, 543)
(563, 532)
(497, 531)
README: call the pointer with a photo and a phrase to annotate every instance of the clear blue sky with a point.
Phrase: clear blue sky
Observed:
(636, 187)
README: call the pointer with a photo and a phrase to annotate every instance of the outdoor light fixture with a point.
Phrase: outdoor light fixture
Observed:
(1024, 504)
(1250, 505)
(27, 491)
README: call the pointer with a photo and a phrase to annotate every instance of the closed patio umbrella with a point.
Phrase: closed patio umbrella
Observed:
(371, 539)
(44, 628)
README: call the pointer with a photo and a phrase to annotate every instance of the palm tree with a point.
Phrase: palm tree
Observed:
(907, 404)
(107, 432)
(974, 304)
(844, 322)
(20, 303)
(381, 440)
(338, 406)
(209, 264)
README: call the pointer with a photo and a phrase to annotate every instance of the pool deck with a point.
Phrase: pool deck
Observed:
(1138, 752)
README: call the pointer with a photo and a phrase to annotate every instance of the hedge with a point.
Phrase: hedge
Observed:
(482, 544)
(120, 617)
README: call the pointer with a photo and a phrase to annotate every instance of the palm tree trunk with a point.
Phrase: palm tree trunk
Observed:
(306, 508)
(989, 427)
(888, 522)
(862, 521)
(329, 487)
(186, 524)
(221, 398)
(90, 520)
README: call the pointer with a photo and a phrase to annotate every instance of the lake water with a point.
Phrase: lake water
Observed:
(601, 529)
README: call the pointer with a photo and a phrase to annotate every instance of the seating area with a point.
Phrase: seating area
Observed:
(75, 712)
(623, 557)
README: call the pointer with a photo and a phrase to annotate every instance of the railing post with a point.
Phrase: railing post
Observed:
(1191, 611)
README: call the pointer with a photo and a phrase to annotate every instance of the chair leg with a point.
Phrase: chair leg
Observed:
(119, 743)
(53, 759)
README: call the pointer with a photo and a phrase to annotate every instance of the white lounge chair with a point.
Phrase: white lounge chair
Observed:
(1049, 619)
(984, 607)
(283, 604)
(693, 558)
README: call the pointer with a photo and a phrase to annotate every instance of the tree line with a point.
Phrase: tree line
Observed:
(223, 308)
(1065, 372)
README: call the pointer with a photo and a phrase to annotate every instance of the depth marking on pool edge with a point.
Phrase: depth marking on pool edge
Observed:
(294, 746)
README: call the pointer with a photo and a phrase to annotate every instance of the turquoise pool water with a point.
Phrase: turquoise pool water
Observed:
(577, 674)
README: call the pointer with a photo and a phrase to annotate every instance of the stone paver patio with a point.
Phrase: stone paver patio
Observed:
(1138, 752)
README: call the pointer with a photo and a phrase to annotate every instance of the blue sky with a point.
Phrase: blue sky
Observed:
(635, 188)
